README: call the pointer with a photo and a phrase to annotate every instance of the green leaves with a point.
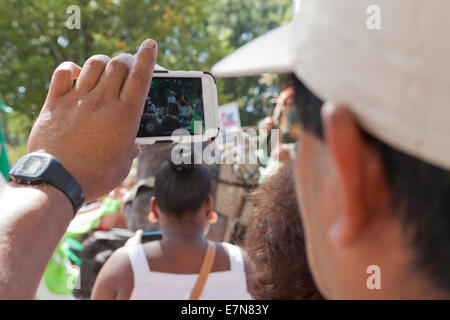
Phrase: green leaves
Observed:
(192, 35)
(244, 21)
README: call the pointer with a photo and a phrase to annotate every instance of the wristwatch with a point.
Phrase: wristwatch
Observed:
(39, 168)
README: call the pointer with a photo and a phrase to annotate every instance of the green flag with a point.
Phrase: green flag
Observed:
(6, 109)
(4, 164)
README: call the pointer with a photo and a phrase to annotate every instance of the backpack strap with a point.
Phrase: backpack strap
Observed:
(205, 270)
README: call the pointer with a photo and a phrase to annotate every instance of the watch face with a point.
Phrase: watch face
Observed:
(33, 166)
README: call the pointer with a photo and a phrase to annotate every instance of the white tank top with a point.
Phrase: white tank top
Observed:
(222, 285)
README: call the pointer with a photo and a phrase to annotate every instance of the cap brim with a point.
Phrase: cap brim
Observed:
(270, 53)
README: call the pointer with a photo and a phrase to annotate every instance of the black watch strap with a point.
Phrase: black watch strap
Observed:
(59, 177)
(50, 171)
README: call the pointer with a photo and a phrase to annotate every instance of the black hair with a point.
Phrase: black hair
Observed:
(182, 188)
(420, 193)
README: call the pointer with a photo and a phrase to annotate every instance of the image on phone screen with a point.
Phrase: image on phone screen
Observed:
(172, 103)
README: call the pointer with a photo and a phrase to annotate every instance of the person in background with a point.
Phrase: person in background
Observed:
(198, 108)
(185, 103)
(275, 242)
(170, 268)
(284, 118)
(172, 104)
(118, 219)
(149, 106)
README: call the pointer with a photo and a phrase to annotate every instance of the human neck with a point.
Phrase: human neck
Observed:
(395, 257)
(182, 234)
(182, 237)
(415, 286)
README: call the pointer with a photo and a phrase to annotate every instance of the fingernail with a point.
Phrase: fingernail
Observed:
(149, 43)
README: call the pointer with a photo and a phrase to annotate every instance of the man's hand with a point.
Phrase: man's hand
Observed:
(91, 128)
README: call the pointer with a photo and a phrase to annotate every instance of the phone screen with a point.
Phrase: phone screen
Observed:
(172, 103)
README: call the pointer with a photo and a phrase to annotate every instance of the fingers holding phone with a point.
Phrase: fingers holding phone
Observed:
(92, 71)
(138, 81)
(115, 75)
(89, 128)
(62, 79)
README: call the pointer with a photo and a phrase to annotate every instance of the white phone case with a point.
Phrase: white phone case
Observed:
(210, 108)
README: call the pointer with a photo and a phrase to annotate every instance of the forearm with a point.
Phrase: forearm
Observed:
(32, 222)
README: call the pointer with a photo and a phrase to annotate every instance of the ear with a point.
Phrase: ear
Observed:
(213, 218)
(208, 205)
(360, 174)
(153, 215)
(209, 213)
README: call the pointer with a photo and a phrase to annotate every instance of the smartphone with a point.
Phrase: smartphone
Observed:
(181, 106)
(151, 236)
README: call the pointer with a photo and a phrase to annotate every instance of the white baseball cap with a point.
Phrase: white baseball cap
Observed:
(388, 61)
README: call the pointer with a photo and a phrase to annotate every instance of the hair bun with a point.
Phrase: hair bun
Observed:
(181, 167)
(187, 163)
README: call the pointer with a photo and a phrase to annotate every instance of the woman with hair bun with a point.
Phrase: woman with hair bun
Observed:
(184, 264)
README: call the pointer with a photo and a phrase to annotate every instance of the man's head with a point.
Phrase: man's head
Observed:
(365, 203)
(372, 173)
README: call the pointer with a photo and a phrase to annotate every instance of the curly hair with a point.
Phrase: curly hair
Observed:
(275, 242)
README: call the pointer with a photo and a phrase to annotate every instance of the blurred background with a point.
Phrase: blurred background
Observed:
(192, 35)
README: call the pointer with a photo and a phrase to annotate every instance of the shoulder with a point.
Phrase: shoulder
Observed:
(240, 256)
(118, 266)
(115, 275)
(233, 250)
(249, 268)
(119, 260)
(236, 255)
